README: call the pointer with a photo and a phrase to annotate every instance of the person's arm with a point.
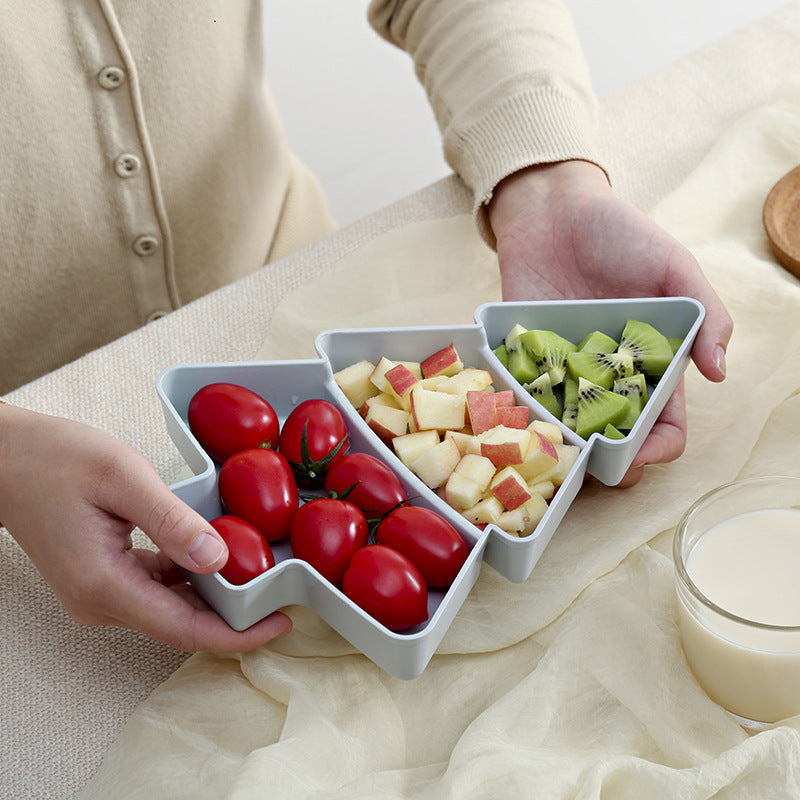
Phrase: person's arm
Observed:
(512, 95)
(71, 495)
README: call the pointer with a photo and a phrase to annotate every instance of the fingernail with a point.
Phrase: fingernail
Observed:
(719, 359)
(206, 550)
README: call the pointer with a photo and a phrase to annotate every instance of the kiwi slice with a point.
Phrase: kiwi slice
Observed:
(569, 416)
(502, 354)
(650, 349)
(597, 342)
(675, 342)
(522, 366)
(600, 368)
(634, 388)
(610, 432)
(549, 351)
(541, 390)
(598, 407)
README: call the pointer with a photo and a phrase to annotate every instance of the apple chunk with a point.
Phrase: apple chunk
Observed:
(443, 362)
(401, 380)
(509, 487)
(505, 446)
(468, 380)
(412, 445)
(433, 410)
(540, 458)
(435, 466)
(522, 521)
(386, 421)
(355, 383)
(481, 410)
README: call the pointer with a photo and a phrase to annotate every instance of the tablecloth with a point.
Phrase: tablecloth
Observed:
(67, 691)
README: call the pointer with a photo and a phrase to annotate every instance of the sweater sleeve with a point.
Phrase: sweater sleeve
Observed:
(507, 82)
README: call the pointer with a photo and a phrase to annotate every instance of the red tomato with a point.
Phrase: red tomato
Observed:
(310, 436)
(258, 486)
(326, 532)
(226, 418)
(387, 586)
(249, 553)
(429, 540)
(366, 482)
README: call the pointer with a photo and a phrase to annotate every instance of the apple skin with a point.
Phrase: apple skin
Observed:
(443, 362)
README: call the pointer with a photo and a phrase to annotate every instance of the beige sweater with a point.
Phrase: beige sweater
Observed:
(144, 164)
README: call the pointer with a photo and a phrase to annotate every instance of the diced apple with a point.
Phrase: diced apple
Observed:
(468, 380)
(380, 399)
(437, 410)
(505, 446)
(387, 422)
(548, 429)
(481, 410)
(461, 492)
(461, 438)
(505, 397)
(523, 520)
(433, 383)
(401, 381)
(512, 416)
(545, 488)
(484, 512)
(435, 466)
(443, 362)
(378, 376)
(355, 383)
(509, 488)
(411, 446)
(477, 468)
(567, 455)
(540, 458)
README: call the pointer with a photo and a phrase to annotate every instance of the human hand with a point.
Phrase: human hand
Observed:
(562, 233)
(71, 495)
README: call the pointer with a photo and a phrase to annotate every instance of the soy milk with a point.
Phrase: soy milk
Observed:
(748, 565)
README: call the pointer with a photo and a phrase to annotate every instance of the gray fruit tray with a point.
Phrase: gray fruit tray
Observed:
(286, 383)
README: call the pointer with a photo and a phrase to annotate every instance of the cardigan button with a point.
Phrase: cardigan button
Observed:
(127, 165)
(145, 245)
(111, 77)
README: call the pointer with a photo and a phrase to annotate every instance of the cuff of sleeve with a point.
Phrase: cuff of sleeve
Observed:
(543, 125)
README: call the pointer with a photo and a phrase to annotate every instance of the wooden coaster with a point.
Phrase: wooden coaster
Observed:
(782, 220)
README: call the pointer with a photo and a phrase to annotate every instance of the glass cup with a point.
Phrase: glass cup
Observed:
(744, 644)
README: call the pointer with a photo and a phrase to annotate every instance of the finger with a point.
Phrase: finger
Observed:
(136, 493)
(167, 615)
(665, 442)
(711, 344)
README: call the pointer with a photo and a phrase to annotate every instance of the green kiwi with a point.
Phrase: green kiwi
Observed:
(502, 355)
(650, 350)
(600, 368)
(598, 407)
(541, 390)
(634, 388)
(675, 342)
(597, 342)
(549, 351)
(518, 361)
(569, 416)
(610, 432)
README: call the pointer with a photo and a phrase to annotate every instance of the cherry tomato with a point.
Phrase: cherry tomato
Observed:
(387, 586)
(366, 482)
(226, 418)
(310, 437)
(258, 486)
(249, 553)
(326, 532)
(429, 540)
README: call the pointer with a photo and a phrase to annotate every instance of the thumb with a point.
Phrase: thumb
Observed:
(179, 532)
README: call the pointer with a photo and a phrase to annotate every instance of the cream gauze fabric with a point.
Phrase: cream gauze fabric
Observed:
(572, 684)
